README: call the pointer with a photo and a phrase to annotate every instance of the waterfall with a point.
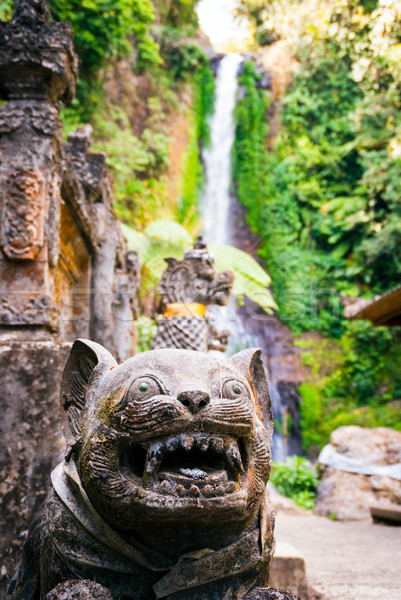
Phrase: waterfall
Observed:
(215, 210)
(217, 157)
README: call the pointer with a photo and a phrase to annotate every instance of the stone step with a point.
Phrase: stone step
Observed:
(387, 514)
(287, 570)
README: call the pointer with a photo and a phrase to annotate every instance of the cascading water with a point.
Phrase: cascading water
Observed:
(217, 157)
(216, 203)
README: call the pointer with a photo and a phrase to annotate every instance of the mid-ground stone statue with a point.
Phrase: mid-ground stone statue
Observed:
(162, 493)
(186, 288)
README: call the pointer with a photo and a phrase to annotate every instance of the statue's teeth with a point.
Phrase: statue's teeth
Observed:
(166, 486)
(193, 473)
(194, 490)
(217, 444)
(203, 442)
(219, 491)
(186, 441)
(234, 457)
(154, 457)
(230, 487)
(172, 444)
(181, 491)
(207, 490)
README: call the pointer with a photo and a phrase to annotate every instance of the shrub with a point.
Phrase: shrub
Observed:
(146, 329)
(296, 479)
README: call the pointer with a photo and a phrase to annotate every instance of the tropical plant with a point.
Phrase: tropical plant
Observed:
(146, 329)
(296, 479)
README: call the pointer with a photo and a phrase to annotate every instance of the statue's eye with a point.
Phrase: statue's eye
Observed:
(234, 389)
(144, 387)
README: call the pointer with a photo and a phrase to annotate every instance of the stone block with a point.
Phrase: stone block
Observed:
(31, 442)
(287, 571)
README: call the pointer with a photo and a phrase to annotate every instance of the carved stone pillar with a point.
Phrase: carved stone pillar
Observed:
(115, 272)
(38, 69)
(64, 267)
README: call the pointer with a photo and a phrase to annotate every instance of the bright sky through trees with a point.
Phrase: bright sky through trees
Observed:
(217, 20)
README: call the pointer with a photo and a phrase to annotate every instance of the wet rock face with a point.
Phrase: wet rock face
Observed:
(163, 491)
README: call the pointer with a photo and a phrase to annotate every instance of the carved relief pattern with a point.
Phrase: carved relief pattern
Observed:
(34, 311)
(22, 215)
(11, 118)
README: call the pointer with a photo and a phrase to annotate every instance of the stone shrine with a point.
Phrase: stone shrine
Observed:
(186, 288)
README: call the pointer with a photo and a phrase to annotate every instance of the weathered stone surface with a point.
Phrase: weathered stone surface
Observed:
(62, 251)
(37, 61)
(271, 594)
(349, 495)
(31, 440)
(287, 570)
(163, 490)
(79, 590)
(186, 288)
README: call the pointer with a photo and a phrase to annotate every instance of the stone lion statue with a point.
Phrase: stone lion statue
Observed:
(162, 493)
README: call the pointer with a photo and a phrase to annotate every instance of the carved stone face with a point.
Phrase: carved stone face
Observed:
(170, 435)
(194, 279)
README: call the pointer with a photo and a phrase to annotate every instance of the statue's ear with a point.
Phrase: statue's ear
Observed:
(171, 261)
(250, 363)
(87, 362)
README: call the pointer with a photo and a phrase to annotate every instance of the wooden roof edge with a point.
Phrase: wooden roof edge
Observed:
(381, 310)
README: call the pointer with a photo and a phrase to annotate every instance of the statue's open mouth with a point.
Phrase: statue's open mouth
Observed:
(190, 464)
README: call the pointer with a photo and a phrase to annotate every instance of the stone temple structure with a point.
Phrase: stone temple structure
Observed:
(64, 268)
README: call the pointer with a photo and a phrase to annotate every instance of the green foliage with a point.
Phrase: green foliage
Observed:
(137, 162)
(192, 182)
(146, 329)
(356, 381)
(324, 198)
(203, 103)
(249, 151)
(250, 279)
(181, 58)
(104, 29)
(6, 9)
(162, 239)
(203, 87)
(296, 479)
(138, 148)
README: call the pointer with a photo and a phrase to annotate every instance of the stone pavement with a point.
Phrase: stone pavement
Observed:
(345, 560)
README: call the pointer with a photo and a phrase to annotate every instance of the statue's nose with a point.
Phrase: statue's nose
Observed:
(194, 400)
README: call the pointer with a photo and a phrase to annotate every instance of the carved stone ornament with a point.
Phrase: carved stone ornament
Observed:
(31, 311)
(162, 494)
(37, 58)
(186, 288)
(22, 213)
